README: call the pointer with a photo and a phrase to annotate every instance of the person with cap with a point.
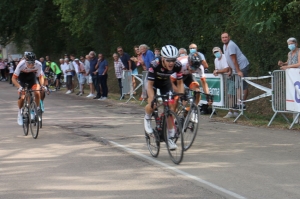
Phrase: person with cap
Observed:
(221, 67)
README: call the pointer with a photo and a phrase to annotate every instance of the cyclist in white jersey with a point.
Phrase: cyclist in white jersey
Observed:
(27, 72)
(188, 78)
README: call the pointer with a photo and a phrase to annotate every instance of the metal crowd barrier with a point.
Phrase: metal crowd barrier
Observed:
(279, 96)
(233, 94)
(127, 84)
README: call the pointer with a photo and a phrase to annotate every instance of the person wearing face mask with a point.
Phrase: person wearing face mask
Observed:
(221, 67)
(197, 63)
(293, 56)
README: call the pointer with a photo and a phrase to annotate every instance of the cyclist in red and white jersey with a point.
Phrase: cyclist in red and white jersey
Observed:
(188, 78)
(27, 72)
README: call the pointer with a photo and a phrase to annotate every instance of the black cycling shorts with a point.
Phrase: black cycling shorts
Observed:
(164, 86)
(27, 78)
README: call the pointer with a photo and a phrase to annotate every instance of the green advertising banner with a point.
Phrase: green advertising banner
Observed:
(215, 86)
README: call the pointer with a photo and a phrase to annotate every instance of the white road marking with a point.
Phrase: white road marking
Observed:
(216, 187)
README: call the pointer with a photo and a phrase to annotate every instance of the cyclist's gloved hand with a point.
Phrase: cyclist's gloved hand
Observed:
(20, 89)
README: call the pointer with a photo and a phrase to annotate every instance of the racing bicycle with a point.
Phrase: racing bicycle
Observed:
(159, 123)
(188, 113)
(30, 113)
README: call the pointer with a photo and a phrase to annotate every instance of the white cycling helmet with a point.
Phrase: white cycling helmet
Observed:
(169, 51)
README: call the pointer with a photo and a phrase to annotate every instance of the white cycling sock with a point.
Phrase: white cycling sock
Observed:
(171, 133)
(147, 116)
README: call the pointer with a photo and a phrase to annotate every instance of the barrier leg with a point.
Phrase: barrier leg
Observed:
(212, 113)
(287, 120)
(294, 121)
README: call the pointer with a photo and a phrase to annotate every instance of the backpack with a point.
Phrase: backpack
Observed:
(195, 60)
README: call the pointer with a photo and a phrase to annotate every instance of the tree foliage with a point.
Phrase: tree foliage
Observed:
(259, 27)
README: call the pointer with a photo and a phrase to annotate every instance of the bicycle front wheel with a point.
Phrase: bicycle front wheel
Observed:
(34, 120)
(152, 140)
(190, 126)
(25, 116)
(174, 139)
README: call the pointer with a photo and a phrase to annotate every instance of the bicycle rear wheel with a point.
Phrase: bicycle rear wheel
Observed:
(34, 120)
(25, 116)
(190, 126)
(152, 140)
(172, 120)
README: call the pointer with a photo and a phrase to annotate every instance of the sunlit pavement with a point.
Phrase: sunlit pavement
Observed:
(75, 155)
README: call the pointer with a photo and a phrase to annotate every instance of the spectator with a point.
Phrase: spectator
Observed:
(63, 68)
(56, 69)
(238, 63)
(147, 55)
(11, 68)
(119, 66)
(3, 70)
(43, 62)
(69, 69)
(293, 59)
(221, 67)
(87, 76)
(157, 52)
(75, 73)
(93, 73)
(81, 77)
(102, 75)
(129, 65)
(137, 59)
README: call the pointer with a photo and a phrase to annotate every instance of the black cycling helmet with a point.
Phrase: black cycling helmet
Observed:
(29, 56)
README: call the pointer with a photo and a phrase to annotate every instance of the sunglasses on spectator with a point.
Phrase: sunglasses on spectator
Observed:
(192, 48)
(170, 60)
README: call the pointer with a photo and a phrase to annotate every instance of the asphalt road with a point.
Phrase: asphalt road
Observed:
(96, 149)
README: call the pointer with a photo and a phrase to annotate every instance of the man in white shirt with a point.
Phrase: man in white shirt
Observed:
(221, 67)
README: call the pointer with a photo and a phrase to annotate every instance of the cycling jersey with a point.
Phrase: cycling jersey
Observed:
(187, 77)
(28, 75)
(161, 75)
(158, 73)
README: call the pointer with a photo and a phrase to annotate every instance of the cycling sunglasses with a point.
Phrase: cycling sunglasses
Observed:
(170, 60)
(30, 62)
